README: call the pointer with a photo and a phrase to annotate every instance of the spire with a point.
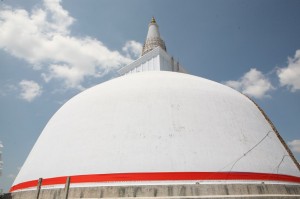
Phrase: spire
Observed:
(153, 20)
(154, 56)
(153, 38)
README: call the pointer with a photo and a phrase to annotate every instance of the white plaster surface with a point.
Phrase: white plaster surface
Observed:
(156, 122)
(153, 31)
(155, 60)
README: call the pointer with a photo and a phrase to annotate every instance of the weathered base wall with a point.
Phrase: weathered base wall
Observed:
(168, 191)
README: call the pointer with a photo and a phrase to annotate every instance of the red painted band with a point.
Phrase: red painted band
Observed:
(160, 176)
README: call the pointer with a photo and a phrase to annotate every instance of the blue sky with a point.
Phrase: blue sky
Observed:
(51, 50)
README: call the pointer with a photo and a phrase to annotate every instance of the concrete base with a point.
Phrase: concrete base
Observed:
(168, 191)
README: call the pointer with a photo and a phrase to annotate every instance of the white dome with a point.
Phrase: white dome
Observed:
(142, 126)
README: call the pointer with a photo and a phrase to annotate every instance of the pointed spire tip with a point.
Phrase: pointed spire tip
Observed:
(153, 20)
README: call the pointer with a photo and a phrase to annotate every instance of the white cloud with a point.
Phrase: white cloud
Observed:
(59, 17)
(42, 37)
(133, 49)
(295, 145)
(290, 75)
(253, 83)
(29, 90)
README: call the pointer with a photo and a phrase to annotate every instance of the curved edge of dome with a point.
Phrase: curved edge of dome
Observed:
(218, 86)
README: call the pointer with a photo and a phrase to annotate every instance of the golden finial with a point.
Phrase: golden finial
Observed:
(153, 20)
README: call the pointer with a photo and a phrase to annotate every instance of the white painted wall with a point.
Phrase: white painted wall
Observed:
(156, 122)
(155, 60)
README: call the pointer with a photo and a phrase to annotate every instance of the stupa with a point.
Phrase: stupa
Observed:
(157, 131)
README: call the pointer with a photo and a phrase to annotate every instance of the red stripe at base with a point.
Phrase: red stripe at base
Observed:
(160, 176)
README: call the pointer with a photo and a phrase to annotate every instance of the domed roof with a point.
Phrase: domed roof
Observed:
(157, 126)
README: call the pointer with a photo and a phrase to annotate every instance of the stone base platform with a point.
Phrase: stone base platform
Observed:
(215, 191)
